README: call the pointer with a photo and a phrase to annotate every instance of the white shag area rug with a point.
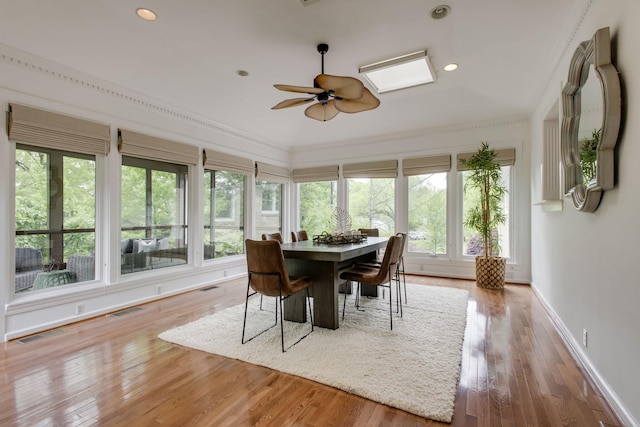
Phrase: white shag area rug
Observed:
(414, 367)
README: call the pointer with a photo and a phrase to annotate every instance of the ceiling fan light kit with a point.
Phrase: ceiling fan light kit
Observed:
(335, 94)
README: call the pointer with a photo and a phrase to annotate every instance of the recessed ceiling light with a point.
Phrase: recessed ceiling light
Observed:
(440, 12)
(451, 67)
(146, 14)
(399, 73)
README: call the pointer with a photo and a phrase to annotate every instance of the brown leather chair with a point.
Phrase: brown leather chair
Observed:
(299, 236)
(268, 276)
(273, 236)
(373, 232)
(399, 270)
(382, 276)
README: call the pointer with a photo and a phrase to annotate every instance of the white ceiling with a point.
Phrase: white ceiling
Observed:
(188, 58)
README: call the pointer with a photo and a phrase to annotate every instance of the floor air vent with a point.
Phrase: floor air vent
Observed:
(124, 312)
(208, 288)
(44, 334)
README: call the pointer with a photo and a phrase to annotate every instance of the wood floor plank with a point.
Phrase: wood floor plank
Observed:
(114, 371)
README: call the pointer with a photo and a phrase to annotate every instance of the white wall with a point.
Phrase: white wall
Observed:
(583, 264)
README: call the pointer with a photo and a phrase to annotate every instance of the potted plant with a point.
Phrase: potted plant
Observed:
(589, 155)
(485, 176)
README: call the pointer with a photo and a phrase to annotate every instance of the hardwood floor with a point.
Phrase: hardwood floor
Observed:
(114, 371)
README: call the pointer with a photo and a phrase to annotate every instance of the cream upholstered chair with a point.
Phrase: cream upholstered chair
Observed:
(299, 236)
(379, 276)
(268, 277)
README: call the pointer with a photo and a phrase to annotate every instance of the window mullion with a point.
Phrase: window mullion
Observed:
(149, 205)
(56, 208)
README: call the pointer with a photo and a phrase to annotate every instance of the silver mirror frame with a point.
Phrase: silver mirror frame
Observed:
(597, 52)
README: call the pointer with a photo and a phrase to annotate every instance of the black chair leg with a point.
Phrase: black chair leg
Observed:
(404, 279)
(246, 306)
(310, 309)
(281, 321)
(390, 306)
(344, 304)
(358, 299)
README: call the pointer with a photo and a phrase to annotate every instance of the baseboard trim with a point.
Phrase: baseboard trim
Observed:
(576, 351)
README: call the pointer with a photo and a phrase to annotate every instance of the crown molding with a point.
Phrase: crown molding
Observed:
(63, 73)
(571, 43)
(413, 134)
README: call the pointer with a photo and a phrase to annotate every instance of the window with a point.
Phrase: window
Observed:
(223, 214)
(472, 241)
(427, 201)
(153, 214)
(271, 198)
(55, 217)
(317, 205)
(372, 204)
(268, 215)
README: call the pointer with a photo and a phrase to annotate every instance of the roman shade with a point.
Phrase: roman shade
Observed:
(504, 157)
(215, 160)
(149, 147)
(265, 172)
(426, 165)
(380, 169)
(41, 128)
(321, 173)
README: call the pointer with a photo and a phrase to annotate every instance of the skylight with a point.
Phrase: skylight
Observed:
(399, 73)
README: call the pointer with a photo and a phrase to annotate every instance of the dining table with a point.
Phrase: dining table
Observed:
(323, 263)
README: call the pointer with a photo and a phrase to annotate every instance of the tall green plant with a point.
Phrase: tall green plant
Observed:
(485, 176)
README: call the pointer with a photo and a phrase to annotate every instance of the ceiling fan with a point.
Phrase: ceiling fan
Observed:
(334, 94)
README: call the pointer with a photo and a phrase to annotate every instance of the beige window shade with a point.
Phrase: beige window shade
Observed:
(41, 128)
(426, 165)
(381, 169)
(265, 172)
(321, 173)
(149, 147)
(214, 160)
(505, 157)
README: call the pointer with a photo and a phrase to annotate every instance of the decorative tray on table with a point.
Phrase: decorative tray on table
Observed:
(339, 238)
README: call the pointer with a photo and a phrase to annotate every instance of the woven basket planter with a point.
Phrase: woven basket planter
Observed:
(490, 272)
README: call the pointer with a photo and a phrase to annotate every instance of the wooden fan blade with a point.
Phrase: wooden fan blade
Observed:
(292, 103)
(322, 112)
(367, 102)
(343, 87)
(300, 89)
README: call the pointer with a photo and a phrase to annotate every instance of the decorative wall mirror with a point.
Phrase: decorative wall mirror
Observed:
(591, 112)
